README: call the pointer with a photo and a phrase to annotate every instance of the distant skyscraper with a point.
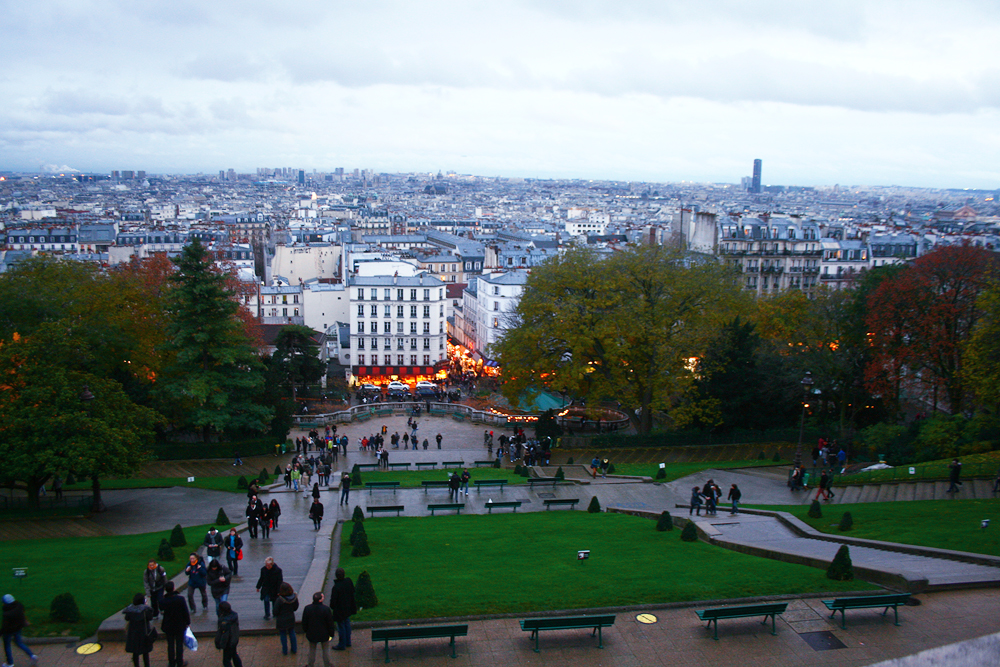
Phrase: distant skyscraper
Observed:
(755, 185)
(302, 177)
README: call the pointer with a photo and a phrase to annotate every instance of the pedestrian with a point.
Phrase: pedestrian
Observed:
(345, 488)
(695, 501)
(595, 463)
(605, 464)
(316, 513)
(197, 580)
(316, 492)
(138, 632)
(285, 606)
(176, 620)
(842, 460)
(253, 516)
(426, 444)
(268, 584)
(234, 551)
(227, 635)
(734, 495)
(824, 485)
(343, 606)
(710, 497)
(454, 483)
(954, 475)
(213, 544)
(265, 521)
(296, 476)
(318, 626)
(288, 476)
(154, 579)
(274, 511)
(219, 578)
(14, 622)
(57, 487)
(465, 480)
(237, 461)
(439, 438)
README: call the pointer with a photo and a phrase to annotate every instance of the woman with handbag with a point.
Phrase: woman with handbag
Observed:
(139, 633)
(274, 509)
(234, 551)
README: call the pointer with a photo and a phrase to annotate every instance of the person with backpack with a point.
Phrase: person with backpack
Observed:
(285, 606)
(14, 621)
(227, 635)
(197, 581)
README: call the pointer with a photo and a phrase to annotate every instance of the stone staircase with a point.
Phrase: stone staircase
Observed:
(971, 489)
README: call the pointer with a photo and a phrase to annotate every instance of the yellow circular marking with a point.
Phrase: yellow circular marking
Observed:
(88, 649)
(646, 618)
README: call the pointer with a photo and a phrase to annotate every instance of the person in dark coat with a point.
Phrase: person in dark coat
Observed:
(316, 513)
(197, 580)
(14, 621)
(227, 635)
(345, 488)
(253, 516)
(219, 577)
(176, 620)
(233, 544)
(213, 544)
(274, 510)
(318, 624)
(268, 584)
(137, 630)
(454, 484)
(154, 579)
(265, 521)
(285, 606)
(343, 606)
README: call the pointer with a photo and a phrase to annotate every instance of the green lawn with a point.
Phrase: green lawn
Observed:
(984, 464)
(945, 524)
(227, 483)
(678, 470)
(102, 573)
(413, 478)
(524, 563)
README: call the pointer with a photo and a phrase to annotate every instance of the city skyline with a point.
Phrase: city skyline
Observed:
(877, 93)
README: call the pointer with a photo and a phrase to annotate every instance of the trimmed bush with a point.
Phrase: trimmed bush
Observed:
(496, 463)
(841, 568)
(364, 592)
(358, 516)
(611, 469)
(221, 519)
(761, 456)
(846, 521)
(165, 552)
(518, 470)
(595, 506)
(278, 472)
(525, 471)
(569, 461)
(358, 529)
(177, 538)
(661, 473)
(690, 533)
(816, 510)
(356, 476)
(263, 478)
(242, 483)
(361, 547)
(664, 523)
(560, 475)
(776, 458)
(63, 609)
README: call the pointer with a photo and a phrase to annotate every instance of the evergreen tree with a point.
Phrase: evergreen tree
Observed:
(547, 425)
(356, 476)
(357, 530)
(296, 361)
(664, 523)
(841, 569)
(63, 609)
(221, 519)
(177, 538)
(165, 552)
(364, 592)
(361, 547)
(846, 521)
(560, 475)
(815, 510)
(690, 533)
(358, 515)
(595, 506)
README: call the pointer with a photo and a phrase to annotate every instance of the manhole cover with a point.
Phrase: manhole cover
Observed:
(822, 641)
(646, 618)
(546, 495)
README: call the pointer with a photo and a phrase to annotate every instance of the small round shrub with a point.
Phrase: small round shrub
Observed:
(165, 552)
(63, 609)
(241, 483)
(846, 521)
(177, 538)
(816, 510)
(841, 568)
(358, 516)
(595, 506)
(221, 519)
(361, 547)
(690, 533)
(263, 478)
(664, 523)
(776, 458)
(364, 592)
(661, 473)
(518, 470)
(761, 456)
(560, 475)
(277, 472)
(611, 469)
(496, 463)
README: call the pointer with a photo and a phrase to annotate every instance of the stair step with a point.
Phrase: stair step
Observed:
(907, 491)
(941, 491)
(925, 491)
(868, 493)
(983, 488)
(887, 493)
(848, 494)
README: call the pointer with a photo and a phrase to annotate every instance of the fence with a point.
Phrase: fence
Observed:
(364, 412)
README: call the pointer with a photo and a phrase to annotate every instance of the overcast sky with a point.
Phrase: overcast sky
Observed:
(842, 91)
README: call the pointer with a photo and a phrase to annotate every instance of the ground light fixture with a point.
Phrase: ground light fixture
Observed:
(89, 648)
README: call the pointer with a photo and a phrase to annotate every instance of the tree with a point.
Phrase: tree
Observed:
(296, 360)
(982, 350)
(214, 377)
(841, 568)
(622, 327)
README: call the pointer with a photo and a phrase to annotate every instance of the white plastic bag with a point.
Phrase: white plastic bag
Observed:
(190, 640)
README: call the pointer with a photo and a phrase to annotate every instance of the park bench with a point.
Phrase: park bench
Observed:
(535, 481)
(424, 465)
(458, 416)
(384, 412)
(747, 611)
(362, 417)
(419, 632)
(385, 508)
(397, 466)
(434, 484)
(510, 503)
(490, 482)
(484, 464)
(561, 501)
(458, 507)
(866, 602)
(381, 485)
(535, 625)
(367, 466)
(438, 411)
(453, 464)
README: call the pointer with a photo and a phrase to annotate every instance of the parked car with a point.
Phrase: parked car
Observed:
(396, 385)
(368, 391)
(426, 392)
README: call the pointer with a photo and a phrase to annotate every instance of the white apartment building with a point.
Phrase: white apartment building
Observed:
(486, 305)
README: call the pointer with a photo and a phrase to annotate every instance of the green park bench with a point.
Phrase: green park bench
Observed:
(483, 464)
(399, 466)
(458, 507)
(381, 485)
(385, 508)
(458, 416)
(362, 417)
(434, 484)
(536, 625)
(542, 481)
(453, 464)
(508, 503)
(438, 412)
(367, 466)
(426, 465)
(746, 611)
(419, 632)
(866, 602)
(384, 412)
(558, 502)
(490, 482)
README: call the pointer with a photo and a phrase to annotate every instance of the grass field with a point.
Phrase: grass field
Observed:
(520, 563)
(227, 483)
(678, 470)
(984, 464)
(102, 573)
(944, 524)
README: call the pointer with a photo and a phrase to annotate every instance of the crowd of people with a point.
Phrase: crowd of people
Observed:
(710, 495)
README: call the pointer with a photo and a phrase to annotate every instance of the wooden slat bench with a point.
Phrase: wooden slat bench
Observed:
(746, 611)
(866, 602)
(490, 482)
(458, 416)
(561, 501)
(541, 481)
(458, 507)
(419, 632)
(483, 464)
(398, 466)
(434, 484)
(535, 625)
(512, 504)
(453, 464)
(367, 466)
(424, 465)
(385, 508)
(381, 485)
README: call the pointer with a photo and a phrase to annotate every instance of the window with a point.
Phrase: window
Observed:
(387, 343)
(413, 343)
(496, 323)
(427, 343)
(284, 312)
(296, 313)
(374, 310)
(413, 311)
(399, 327)
(387, 327)
(399, 295)
(453, 268)
(400, 359)
(496, 305)
(374, 343)
(399, 311)
(427, 311)
(427, 295)
(440, 327)
(413, 360)
(413, 295)
(427, 360)
(496, 290)
(399, 345)
(441, 345)
(441, 310)
(361, 344)
(427, 327)
(388, 292)
(388, 311)
(284, 298)
(374, 360)
(361, 359)
(361, 294)
(413, 327)
(295, 298)
(374, 294)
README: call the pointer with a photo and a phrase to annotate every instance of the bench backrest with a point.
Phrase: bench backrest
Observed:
(491, 481)
(386, 508)
(435, 482)
(570, 621)
(418, 632)
(875, 600)
(381, 483)
(561, 501)
(748, 610)
(445, 506)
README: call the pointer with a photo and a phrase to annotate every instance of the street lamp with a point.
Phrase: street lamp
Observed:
(87, 398)
(807, 383)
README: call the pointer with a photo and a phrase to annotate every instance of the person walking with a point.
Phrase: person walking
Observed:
(316, 492)
(138, 632)
(296, 476)
(318, 626)
(465, 480)
(234, 549)
(265, 521)
(695, 501)
(153, 580)
(316, 513)
(14, 622)
(824, 486)
(227, 635)
(439, 438)
(253, 516)
(268, 584)
(274, 510)
(219, 578)
(454, 483)
(710, 497)
(285, 606)
(176, 620)
(343, 606)
(954, 475)
(213, 544)
(197, 581)
(345, 488)
(734, 495)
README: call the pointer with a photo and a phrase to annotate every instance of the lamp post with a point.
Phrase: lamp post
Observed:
(87, 398)
(807, 383)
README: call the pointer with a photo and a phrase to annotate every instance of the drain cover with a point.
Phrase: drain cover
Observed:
(822, 641)
(546, 495)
